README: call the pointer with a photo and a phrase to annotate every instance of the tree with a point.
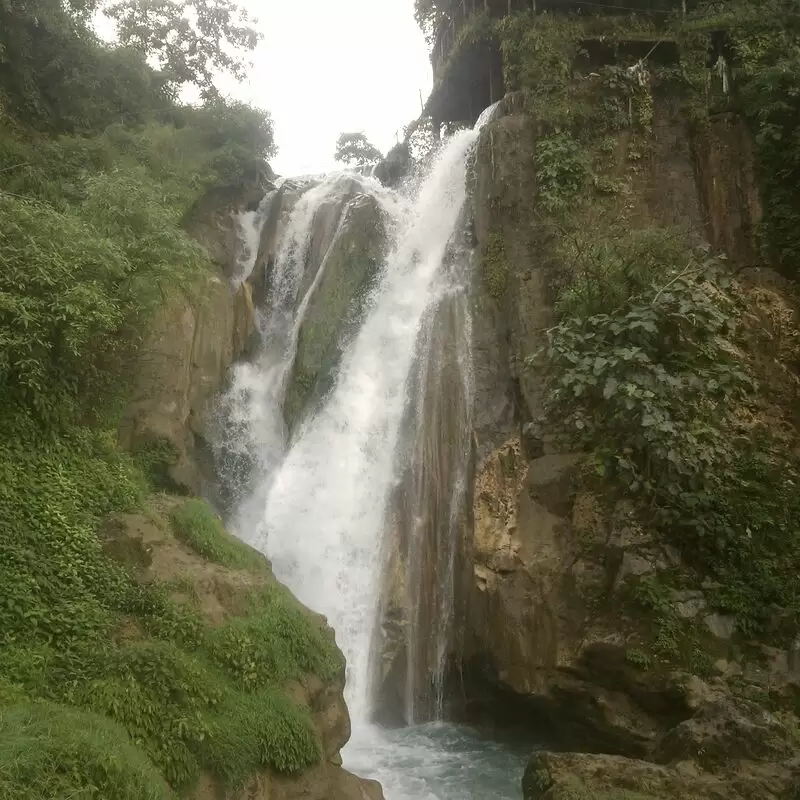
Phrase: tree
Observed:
(191, 40)
(429, 15)
(355, 148)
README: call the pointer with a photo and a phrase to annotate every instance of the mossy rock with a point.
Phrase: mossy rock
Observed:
(337, 305)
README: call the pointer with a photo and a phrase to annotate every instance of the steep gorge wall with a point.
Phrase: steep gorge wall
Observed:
(184, 359)
(549, 559)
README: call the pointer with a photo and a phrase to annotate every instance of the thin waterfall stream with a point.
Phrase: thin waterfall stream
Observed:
(319, 501)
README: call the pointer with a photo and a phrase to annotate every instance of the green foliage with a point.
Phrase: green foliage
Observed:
(92, 242)
(602, 272)
(355, 148)
(50, 752)
(73, 293)
(639, 658)
(429, 15)
(273, 645)
(538, 54)
(60, 589)
(495, 267)
(646, 372)
(191, 40)
(195, 523)
(263, 729)
(658, 369)
(179, 689)
(56, 75)
(562, 169)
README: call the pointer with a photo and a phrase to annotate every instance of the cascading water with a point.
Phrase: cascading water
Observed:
(319, 508)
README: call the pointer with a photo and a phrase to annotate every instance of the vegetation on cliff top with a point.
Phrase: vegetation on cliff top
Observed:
(756, 52)
(111, 687)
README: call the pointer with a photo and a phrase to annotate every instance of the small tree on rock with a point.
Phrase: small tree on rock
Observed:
(355, 148)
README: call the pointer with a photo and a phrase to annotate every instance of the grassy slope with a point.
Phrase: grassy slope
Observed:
(90, 236)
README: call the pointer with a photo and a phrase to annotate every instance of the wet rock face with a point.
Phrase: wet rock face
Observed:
(212, 219)
(192, 342)
(543, 554)
(346, 249)
(182, 366)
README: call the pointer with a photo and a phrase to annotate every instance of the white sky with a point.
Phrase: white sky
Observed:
(329, 66)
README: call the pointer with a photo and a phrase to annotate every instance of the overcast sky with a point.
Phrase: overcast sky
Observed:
(326, 67)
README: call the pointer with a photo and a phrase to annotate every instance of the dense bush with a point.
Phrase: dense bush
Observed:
(646, 372)
(76, 287)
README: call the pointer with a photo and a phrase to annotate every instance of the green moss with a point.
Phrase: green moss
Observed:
(51, 752)
(495, 267)
(196, 524)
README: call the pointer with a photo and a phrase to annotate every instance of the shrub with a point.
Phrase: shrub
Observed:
(562, 169)
(654, 384)
(602, 271)
(273, 645)
(657, 373)
(263, 729)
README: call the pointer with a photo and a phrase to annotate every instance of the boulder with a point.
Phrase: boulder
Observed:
(569, 776)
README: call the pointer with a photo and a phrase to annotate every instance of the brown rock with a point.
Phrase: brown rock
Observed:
(563, 776)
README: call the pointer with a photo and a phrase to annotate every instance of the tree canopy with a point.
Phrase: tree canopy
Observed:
(355, 148)
(191, 40)
(429, 14)
(56, 74)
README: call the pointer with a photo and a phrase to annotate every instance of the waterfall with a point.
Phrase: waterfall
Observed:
(252, 436)
(324, 514)
(430, 504)
(390, 439)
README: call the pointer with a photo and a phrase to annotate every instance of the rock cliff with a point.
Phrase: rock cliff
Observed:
(554, 635)
(178, 544)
